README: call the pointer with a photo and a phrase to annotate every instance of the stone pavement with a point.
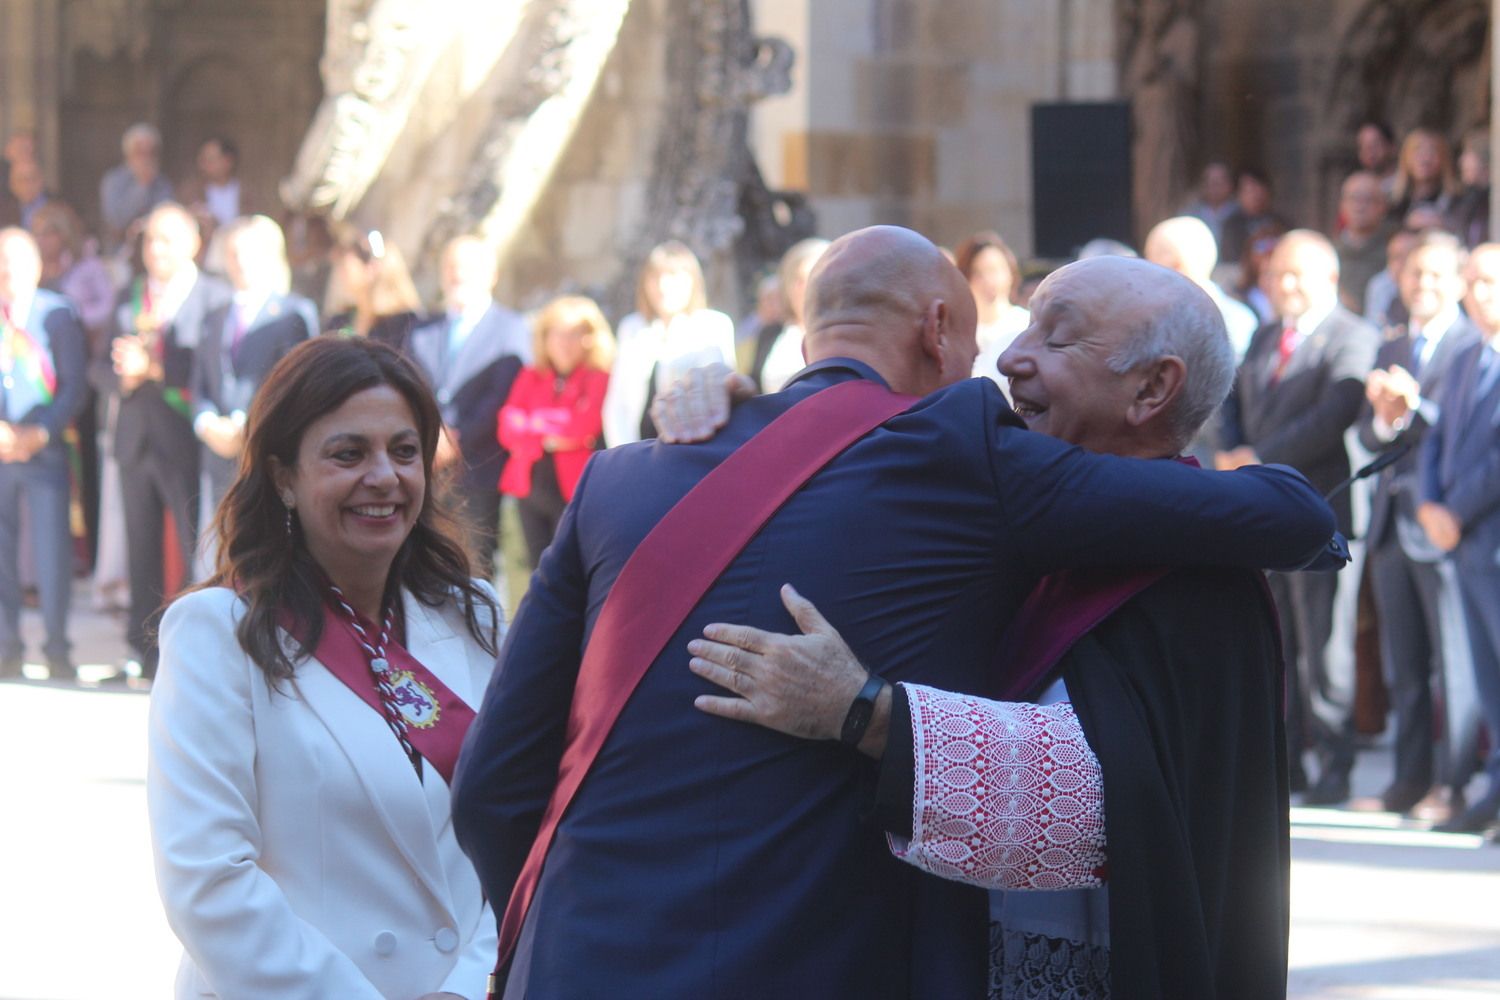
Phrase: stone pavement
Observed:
(1381, 910)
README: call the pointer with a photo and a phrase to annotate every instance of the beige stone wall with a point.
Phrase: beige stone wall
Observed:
(917, 112)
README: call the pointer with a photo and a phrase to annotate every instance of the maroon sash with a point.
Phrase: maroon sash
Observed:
(671, 570)
(436, 718)
(1059, 611)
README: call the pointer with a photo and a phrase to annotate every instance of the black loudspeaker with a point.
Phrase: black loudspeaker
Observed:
(1080, 175)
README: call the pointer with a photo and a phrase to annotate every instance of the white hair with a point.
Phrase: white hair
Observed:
(140, 130)
(1189, 327)
(1197, 250)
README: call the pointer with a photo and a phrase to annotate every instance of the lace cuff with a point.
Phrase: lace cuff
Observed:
(1007, 795)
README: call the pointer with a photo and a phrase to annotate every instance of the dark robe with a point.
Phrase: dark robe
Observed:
(1180, 695)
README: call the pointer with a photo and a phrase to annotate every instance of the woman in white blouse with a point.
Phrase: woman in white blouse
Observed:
(994, 276)
(671, 333)
(778, 352)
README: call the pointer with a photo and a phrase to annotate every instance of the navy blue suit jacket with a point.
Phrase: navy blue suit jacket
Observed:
(707, 858)
(54, 324)
(1461, 456)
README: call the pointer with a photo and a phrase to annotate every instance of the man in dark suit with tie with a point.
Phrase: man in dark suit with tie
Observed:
(1299, 389)
(1422, 637)
(242, 341)
(471, 354)
(43, 359)
(711, 860)
(158, 324)
(1460, 508)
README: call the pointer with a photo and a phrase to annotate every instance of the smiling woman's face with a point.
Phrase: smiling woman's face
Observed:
(358, 484)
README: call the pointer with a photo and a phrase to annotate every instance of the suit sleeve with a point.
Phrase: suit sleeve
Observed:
(1475, 492)
(479, 420)
(201, 794)
(1320, 428)
(69, 346)
(509, 763)
(1064, 507)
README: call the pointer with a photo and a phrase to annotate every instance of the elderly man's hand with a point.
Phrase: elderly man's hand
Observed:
(698, 405)
(1442, 526)
(801, 685)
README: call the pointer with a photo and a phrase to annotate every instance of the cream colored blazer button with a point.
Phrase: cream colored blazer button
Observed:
(446, 939)
(385, 943)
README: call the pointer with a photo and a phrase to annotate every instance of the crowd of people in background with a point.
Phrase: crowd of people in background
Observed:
(131, 356)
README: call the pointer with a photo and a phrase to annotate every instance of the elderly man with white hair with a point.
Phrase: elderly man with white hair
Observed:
(1186, 245)
(134, 187)
(1155, 694)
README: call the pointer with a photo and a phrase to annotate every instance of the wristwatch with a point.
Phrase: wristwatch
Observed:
(857, 720)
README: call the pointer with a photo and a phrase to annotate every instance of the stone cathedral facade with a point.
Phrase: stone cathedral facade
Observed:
(574, 134)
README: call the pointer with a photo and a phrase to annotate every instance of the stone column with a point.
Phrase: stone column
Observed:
(31, 74)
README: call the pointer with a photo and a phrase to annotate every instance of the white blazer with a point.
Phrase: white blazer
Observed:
(297, 854)
(694, 340)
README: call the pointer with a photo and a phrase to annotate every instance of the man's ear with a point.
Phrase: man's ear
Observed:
(935, 331)
(1160, 383)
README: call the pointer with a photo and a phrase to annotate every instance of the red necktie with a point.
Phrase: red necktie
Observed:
(1284, 351)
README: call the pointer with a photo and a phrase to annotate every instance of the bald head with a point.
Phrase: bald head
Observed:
(887, 296)
(1302, 275)
(1186, 245)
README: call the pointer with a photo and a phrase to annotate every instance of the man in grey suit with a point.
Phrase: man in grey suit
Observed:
(1298, 390)
(43, 358)
(1460, 508)
(1422, 637)
(471, 354)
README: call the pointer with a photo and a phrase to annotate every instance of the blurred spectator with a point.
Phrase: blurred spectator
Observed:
(309, 246)
(213, 193)
(371, 291)
(553, 420)
(20, 147)
(133, 188)
(1423, 641)
(1361, 242)
(1252, 211)
(71, 268)
(994, 275)
(43, 364)
(1375, 145)
(1257, 250)
(1184, 244)
(1383, 306)
(28, 190)
(1215, 201)
(671, 332)
(1103, 246)
(241, 341)
(471, 354)
(770, 309)
(1298, 390)
(778, 349)
(1470, 214)
(1460, 510)
(1424, 175)
(159, 321)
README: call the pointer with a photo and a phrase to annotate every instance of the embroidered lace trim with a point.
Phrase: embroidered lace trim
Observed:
(1032, 967)
(1007, 795)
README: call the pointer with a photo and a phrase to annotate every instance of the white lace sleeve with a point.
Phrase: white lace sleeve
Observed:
(1007, 795)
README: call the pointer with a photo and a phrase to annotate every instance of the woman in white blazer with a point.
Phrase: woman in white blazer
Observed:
(670, 333)
(311, 700)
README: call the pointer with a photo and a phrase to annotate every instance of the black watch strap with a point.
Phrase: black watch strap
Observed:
(861, 711)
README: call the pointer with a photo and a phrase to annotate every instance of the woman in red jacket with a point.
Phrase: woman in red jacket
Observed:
(551, 421)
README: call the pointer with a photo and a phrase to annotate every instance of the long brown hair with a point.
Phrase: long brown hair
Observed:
(272, 569)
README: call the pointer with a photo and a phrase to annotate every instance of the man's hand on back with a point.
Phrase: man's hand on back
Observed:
(697, 406)
(801, 685)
